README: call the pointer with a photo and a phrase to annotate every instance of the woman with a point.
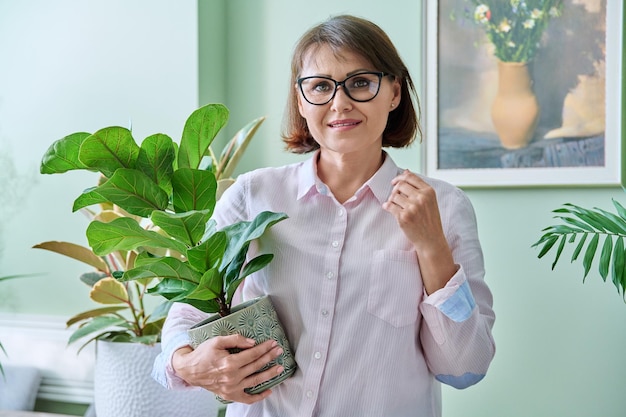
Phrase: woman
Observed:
(378, 272)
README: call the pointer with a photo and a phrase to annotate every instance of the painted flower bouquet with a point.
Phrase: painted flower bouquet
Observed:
(515, 27)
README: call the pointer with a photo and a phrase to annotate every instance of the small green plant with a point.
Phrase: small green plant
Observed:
(154, 234)
(591, 231)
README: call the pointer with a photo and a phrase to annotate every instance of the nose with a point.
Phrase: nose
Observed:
(341, 102)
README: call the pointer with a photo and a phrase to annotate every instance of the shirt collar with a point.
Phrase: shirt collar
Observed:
(380, 183)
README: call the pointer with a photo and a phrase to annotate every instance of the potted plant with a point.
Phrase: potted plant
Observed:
(592, 231)
(154, 233)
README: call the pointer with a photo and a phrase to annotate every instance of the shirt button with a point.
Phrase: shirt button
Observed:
(317, 355)
(330, 275)
(309, 394)
(340, 212)
(324, 313)
(335, 244)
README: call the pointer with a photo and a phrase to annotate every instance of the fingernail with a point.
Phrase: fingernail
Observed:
(280, 370)
(279, 351)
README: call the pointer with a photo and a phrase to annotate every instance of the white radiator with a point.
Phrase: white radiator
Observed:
(41, 341)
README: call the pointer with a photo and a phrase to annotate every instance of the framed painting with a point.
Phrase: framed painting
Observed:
(524, 92)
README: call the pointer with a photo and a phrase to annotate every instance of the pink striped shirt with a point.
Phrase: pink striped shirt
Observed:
(346, 284)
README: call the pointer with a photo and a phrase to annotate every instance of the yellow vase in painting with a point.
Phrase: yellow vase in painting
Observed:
(515, 109)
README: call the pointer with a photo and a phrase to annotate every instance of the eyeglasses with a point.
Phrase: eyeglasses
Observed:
(360, 87)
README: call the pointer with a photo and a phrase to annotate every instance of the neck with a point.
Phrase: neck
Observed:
(344, 174)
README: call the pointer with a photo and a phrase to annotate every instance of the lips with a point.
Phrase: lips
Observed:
(344, 123)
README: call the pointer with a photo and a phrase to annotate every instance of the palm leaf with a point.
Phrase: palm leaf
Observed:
(586, 228)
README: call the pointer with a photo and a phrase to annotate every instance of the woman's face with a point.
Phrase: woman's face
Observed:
(344, 125)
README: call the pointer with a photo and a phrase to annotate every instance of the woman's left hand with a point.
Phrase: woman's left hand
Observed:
(413, 203)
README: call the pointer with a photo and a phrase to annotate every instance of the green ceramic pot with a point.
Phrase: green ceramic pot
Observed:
(255, 319)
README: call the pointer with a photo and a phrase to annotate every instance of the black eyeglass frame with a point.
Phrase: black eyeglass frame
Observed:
(380, 75)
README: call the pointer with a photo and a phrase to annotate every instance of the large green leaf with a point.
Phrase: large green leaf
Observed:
(193, 189)
(242, 233)
(200, 129)
(209, 253)
(62, 155)
(164, 268)
(125, 234)
(210, 287)
(131, 190)
(187, 227)
(109, 149)
(156, 160)
(255, 264)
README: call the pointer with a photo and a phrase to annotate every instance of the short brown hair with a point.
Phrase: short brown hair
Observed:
(365, 38)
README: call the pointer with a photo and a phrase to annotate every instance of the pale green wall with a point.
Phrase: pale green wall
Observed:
(69, 66)
(560, 344)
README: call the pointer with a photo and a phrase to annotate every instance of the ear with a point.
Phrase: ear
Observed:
(397, 94)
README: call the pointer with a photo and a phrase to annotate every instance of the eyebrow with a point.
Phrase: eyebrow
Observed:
(351, 73)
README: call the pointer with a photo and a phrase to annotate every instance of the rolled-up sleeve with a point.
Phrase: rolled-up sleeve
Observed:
(458, 319)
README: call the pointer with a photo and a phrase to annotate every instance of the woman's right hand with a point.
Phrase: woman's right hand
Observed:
(212, 367)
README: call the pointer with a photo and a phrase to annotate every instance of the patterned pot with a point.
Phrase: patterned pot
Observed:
(123, 386)
(257, 320)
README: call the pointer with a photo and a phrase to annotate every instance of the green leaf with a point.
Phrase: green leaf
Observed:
(62, 155)
(131, 190)
(590, 253)
(256, 264)
(125, 234)
(621, 211)
(164, 268)
(575, 222)
(579, 247)
(613, 223)
(186, 227)
(194, 189)
(241, 234)
(97, 324)
(605, 257)
(618, 264)
(549, 242)
(210, 286)
(109, 149)
(559, 250)
(209, 253)
(156, 159)
(200, 129)
(235, 149)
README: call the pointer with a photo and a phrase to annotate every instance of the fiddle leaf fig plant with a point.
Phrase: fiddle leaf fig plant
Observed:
(592, 231)
(154, 233)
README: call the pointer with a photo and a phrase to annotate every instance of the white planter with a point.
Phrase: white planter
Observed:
(123, 386)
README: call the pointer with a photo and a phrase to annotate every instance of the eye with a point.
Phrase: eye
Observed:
(359, 82)
(321, 85)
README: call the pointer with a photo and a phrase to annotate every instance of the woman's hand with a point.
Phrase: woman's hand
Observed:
(212, 367)
(414, 205)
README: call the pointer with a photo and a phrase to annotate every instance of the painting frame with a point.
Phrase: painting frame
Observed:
(608, 174)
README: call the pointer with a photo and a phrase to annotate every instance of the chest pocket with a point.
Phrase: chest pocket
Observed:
(395, 287)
